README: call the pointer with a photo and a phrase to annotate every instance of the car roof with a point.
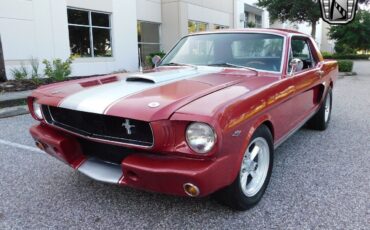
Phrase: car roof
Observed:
(282, 32)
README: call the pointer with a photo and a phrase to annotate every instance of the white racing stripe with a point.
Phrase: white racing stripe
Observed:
(19, 146)
(97, 99)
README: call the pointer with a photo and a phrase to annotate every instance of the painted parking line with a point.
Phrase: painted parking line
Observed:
(20, 146)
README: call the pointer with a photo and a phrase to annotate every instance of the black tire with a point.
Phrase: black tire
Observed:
(319, 121)
(233, 195)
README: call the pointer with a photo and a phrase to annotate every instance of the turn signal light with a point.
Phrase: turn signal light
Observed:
(40, 145)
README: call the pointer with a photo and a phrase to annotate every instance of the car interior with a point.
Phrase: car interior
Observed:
(300, 49)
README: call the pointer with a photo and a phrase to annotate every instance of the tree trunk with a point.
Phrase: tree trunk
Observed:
(2, 65)
(314, 26)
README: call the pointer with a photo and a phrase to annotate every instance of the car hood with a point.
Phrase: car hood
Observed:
(150, 96)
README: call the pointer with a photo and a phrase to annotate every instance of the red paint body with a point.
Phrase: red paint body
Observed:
(232, 100)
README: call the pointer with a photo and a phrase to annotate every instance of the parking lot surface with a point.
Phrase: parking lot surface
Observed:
(320, 180)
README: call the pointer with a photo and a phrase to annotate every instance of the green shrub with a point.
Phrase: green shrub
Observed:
(341, 48)
(345, 65)
(58, 70)
(35, 76)
(326, 54)
(20, 73)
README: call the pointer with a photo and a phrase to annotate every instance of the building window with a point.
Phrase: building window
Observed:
(149, 39)
(220, 27)
(246, 19)
(89, 33)
(194, 27)
(258, 19)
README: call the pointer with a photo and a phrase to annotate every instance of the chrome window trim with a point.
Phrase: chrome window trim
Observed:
(283, 58)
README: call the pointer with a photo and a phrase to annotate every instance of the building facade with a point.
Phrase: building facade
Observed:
(105, 36)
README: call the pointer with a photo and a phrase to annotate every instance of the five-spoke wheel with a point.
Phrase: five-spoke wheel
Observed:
(254, 173)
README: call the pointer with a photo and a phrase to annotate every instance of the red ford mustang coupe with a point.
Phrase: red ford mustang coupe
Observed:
(205, 120)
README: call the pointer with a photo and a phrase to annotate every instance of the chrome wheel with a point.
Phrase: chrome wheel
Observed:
(255, 167)
(327, 107)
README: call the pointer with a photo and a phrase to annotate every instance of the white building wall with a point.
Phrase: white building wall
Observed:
(239, 12)
(32, 29)
(149, 10)
(177, 13)
(124, 38)
(39, 29)
(208, 15)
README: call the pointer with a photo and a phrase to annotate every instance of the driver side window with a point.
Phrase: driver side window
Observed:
(301, 50)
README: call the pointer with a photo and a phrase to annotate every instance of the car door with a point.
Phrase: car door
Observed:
(306, 80)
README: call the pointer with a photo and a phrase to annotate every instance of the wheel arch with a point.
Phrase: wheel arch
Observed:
(263, 120)
(270, 126)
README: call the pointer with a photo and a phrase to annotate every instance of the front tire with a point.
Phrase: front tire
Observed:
(322, 118)
(254, 173)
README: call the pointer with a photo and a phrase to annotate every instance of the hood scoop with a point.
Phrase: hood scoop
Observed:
(143, 79)
(161, 77)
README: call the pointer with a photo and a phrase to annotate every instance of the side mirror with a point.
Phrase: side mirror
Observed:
(296, 65)
(156, 60)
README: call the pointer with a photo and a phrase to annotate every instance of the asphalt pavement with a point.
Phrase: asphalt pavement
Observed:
(320, 180)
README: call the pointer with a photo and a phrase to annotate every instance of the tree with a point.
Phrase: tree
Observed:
(2, 65)
(364, 1)
(354, 35)
(294, 11)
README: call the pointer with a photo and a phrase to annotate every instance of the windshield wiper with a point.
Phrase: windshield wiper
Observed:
(233, 65)
(180, 64)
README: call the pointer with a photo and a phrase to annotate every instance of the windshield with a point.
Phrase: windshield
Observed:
(258, 51)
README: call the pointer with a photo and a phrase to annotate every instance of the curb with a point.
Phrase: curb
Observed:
(344, 74)
(13, 111)
(13, 99)
(13, 102)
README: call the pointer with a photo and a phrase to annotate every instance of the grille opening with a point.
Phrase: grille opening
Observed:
(104, 152)
(100, 126)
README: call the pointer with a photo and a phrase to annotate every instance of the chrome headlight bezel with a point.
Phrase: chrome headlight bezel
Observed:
(37, 111)
(200, 137)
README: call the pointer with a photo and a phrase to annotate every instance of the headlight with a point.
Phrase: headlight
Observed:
(37, 110)
(200, 137)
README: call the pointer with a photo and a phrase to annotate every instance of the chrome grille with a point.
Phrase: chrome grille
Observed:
(100, 126)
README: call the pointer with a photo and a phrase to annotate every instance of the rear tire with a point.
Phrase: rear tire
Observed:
(322, 118)
(254, 173)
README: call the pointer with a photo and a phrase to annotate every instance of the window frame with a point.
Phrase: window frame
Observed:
(285, 57)
(312, 56)
(160, 34)
(140, 43)
(260, 24)
(221, 27)
(246, 18)
(90, 26)
(197, 23)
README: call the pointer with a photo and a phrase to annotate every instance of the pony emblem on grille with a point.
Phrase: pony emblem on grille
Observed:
(338, 11)
(128, 126)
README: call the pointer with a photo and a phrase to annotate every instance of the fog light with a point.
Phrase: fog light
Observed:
(191, 190)
(40, 145)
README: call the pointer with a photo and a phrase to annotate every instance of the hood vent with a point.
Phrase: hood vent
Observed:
(141, 78)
